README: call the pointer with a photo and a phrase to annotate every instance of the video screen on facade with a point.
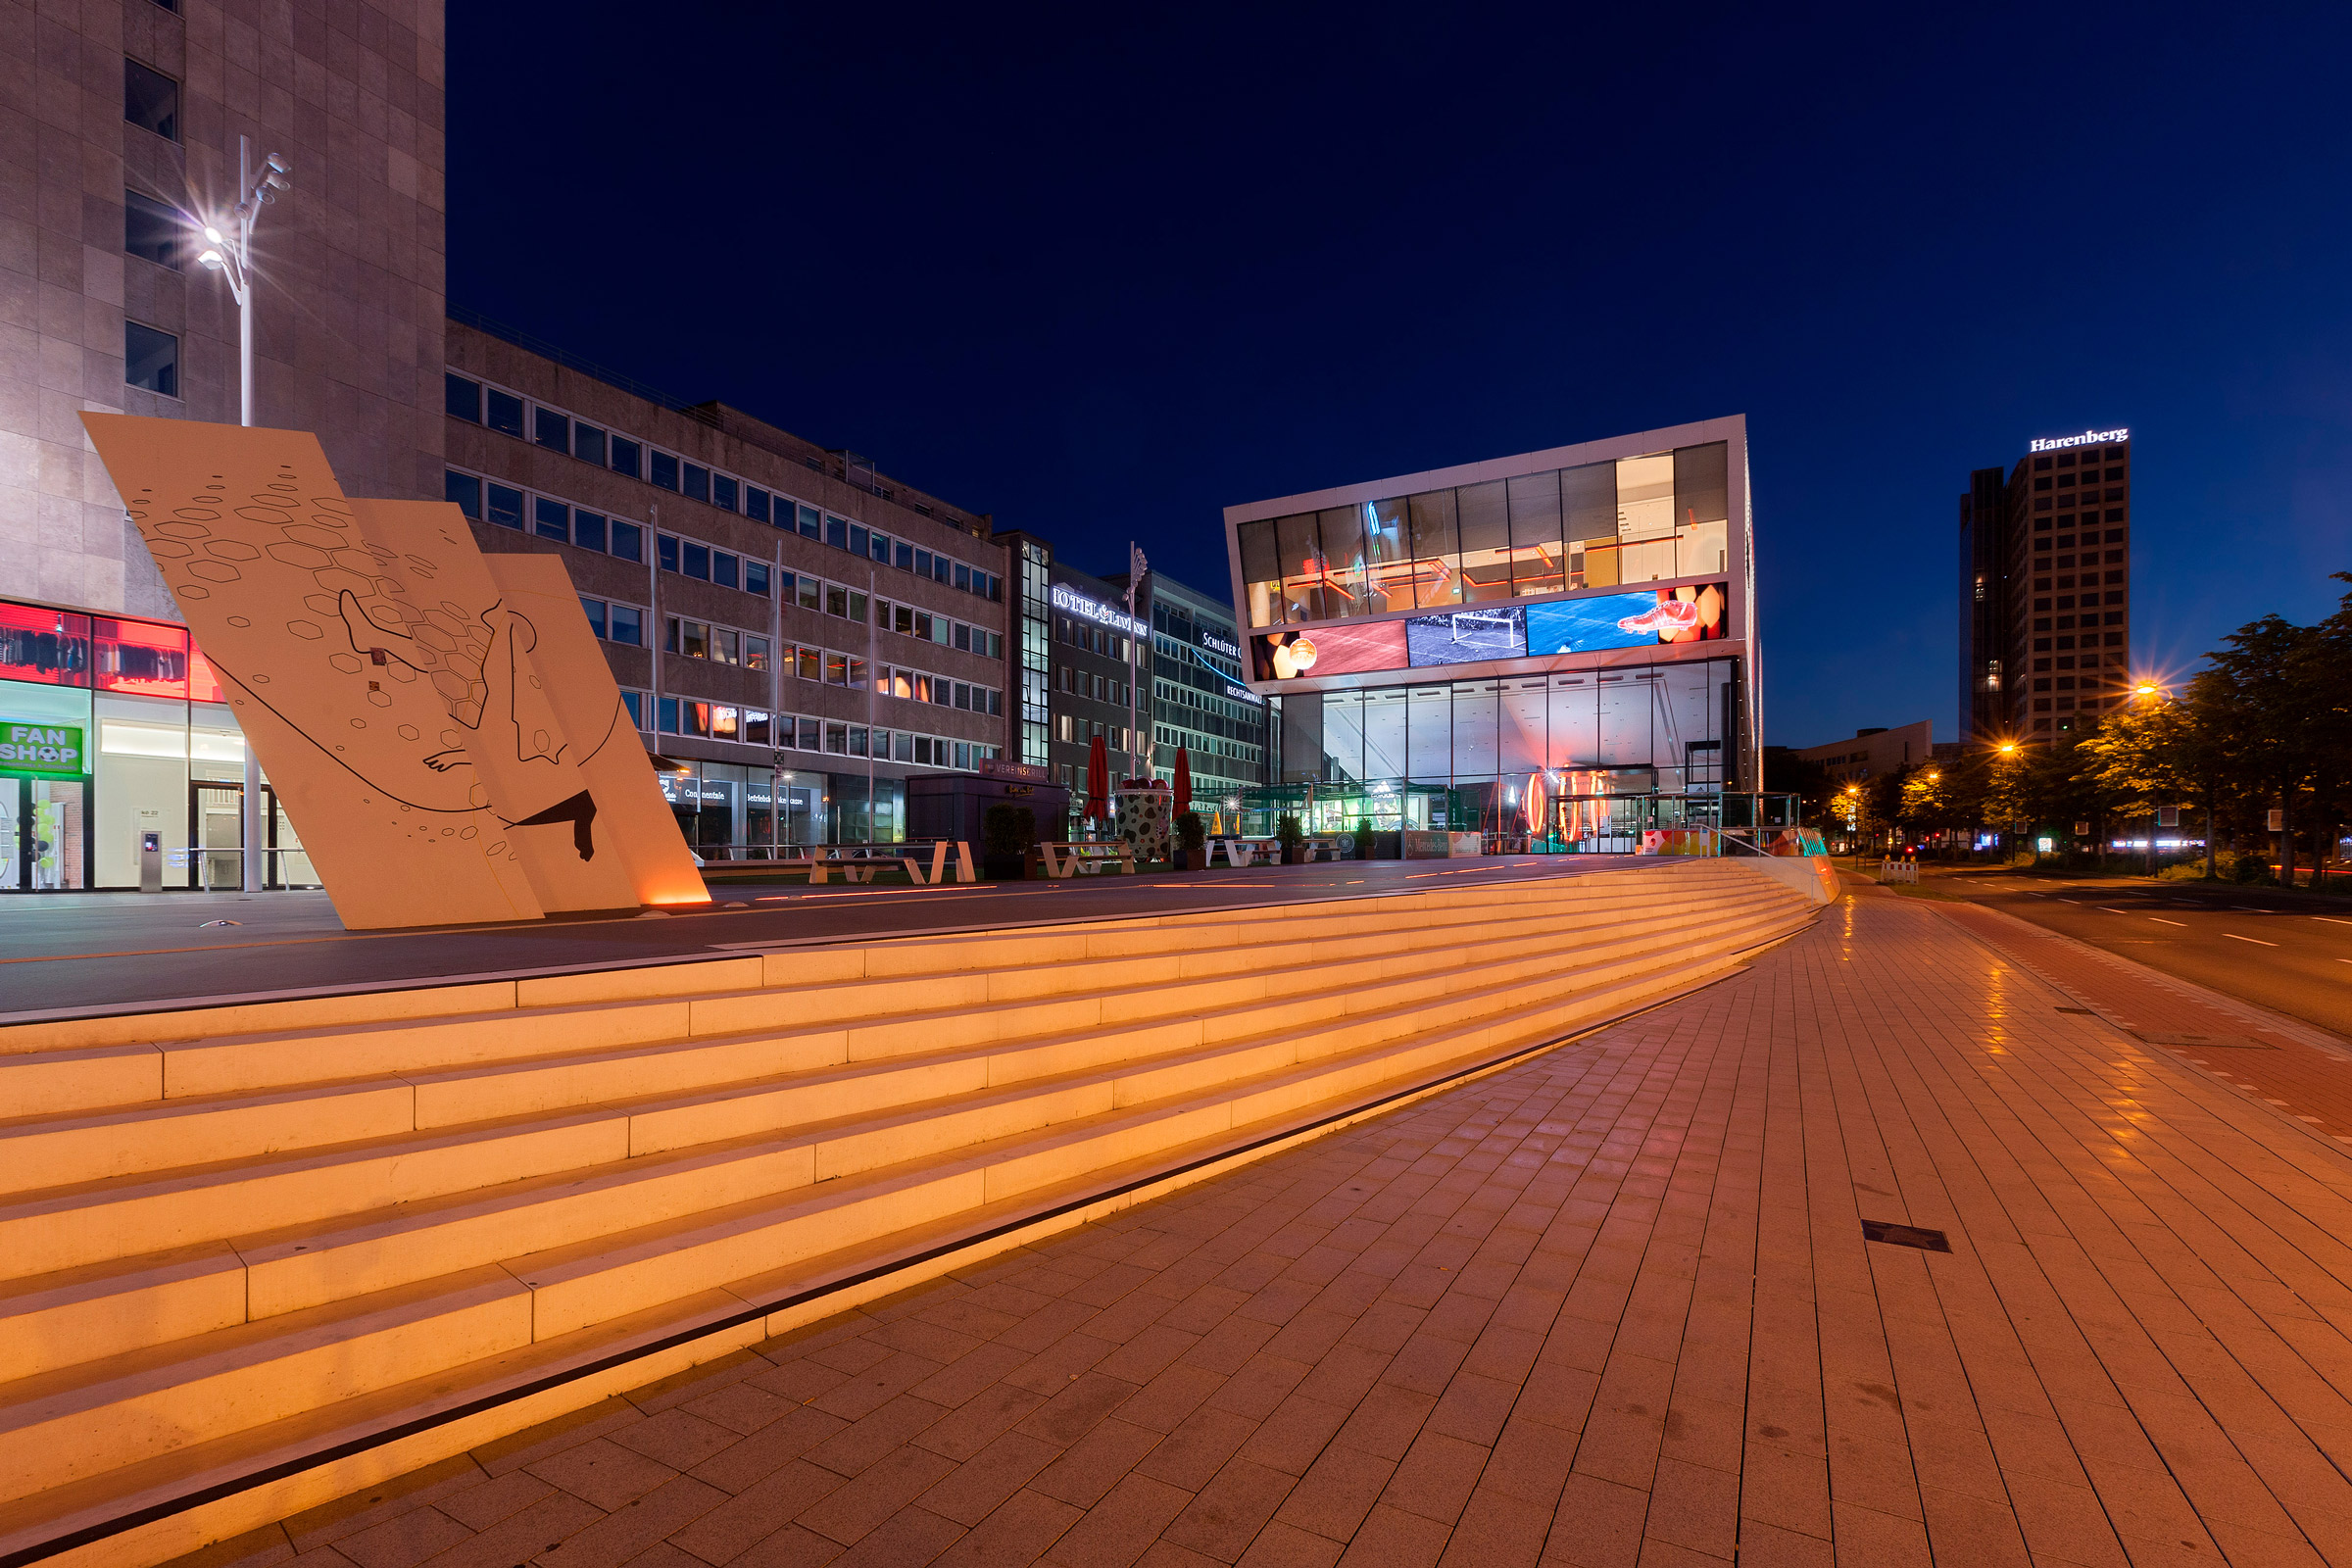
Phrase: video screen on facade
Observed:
(1467, 636)
(1328, 651)
(1645, 620)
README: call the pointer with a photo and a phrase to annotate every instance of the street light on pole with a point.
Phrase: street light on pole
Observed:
(230, 253)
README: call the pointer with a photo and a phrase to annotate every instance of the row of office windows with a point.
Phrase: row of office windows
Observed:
(725, 644)
(1214, 745)
(753, 726)
(1082, 732)
(711, 564)
(511, 413)
(507, 508)
(1082, 683)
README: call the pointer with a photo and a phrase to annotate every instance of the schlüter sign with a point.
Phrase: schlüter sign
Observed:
(45, 751)
(2088, 438)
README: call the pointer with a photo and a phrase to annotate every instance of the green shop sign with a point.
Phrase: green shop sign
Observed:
(41, 751)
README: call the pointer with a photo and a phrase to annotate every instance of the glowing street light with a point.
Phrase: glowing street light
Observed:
(232, 257)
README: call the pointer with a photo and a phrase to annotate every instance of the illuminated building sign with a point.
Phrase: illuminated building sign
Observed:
(38, 749)
(1627, 620)
(2088, 438)
(1068, 598)
(1217, 643)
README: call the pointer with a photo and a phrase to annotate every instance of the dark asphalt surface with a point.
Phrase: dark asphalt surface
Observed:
(2286, 952)
(124, 952)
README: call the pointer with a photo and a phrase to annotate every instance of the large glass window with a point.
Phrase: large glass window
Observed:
(1539, 565)
(1304, 568)
(150, 100)
(1659, 516)
(1483, 516)
(150, 359)
(1436, 542)
(153, 230)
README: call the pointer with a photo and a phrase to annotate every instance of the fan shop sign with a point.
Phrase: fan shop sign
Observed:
(28, 750)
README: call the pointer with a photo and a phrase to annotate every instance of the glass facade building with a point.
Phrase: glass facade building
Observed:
(1529, 646)
(110, 728)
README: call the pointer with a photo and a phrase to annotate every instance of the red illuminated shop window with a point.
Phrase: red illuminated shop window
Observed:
(202, 684)
(146, 656)
(50, 646)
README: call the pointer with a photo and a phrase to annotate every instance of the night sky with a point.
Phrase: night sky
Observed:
(1103, 276)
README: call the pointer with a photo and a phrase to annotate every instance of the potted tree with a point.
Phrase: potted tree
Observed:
(1005, 834)
(1287, 833)
(1191, 842)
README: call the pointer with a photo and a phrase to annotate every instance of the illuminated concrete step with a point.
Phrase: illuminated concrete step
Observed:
(112, 1077)
(61, 1427)
(302, 1267)
(61, 1149)
(53, 1229)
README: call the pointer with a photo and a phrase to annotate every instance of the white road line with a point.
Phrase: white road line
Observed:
(2332, 919)
(2257, 941)
(2161, 920)
(2104, 909)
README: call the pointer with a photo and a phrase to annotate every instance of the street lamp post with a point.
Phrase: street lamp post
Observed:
(2143, 691)
(231, 255)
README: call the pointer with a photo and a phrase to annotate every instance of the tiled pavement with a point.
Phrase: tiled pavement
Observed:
(1612, 1306)
(2284, 1061)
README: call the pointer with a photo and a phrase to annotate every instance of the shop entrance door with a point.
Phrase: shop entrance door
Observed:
(40, 834)
(216, 840)
(215, 836)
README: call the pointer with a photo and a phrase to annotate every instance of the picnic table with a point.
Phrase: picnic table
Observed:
(1060, 860)
(1243, 852)
(858, 863)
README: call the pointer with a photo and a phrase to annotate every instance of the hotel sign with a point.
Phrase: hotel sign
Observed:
(2088, 438)
(1068, 598)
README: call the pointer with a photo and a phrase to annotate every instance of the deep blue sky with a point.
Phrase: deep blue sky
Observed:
(1104, 276)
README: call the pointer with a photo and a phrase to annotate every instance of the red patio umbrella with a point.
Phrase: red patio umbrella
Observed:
(1184, 781)
(1097, 780)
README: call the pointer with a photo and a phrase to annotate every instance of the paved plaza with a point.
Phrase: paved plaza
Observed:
(1612, 1306)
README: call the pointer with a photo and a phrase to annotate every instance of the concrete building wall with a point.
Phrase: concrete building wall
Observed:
(1874, 753)
(348, 335)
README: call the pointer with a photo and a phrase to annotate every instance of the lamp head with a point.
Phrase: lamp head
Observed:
(212, 234)
(276, 164)
(211, 259)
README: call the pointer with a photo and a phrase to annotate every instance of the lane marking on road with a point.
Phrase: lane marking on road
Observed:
(2161, 920)
(2332, 919)
(2104, 909)
(2257, 941)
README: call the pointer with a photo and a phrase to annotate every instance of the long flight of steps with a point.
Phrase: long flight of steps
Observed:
(255, 1258)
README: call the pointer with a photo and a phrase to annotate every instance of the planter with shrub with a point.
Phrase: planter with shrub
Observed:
(1191, 842)
(1289, 834)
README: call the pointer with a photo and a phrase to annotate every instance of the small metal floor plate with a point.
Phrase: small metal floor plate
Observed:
(1927, 1241)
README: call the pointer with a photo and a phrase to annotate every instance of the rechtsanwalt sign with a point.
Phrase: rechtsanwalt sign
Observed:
(2088, 438)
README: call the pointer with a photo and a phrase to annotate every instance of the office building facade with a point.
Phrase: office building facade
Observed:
(1577, 623)
(2045, 591)
(127, 118)
(1198, 700)
(1099, 677)
(795, 633)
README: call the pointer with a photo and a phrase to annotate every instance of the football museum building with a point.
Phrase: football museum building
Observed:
(1557, 649)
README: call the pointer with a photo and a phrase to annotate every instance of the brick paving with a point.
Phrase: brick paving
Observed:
(1612, 1307)
(2281, 1061)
